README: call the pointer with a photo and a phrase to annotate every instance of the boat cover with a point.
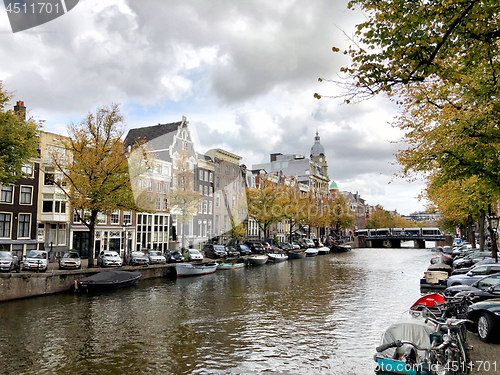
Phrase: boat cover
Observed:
(110, 277)
(414, 330)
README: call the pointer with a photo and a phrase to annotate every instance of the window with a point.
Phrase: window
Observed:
(210, 204)
(6, 194)
(60, 207)
(211, 177)
(227, 170)
(234, 185)
(201, 189)
(24, 226)
(150, 185)
(49, 176)
(101, 218)
(205, 207)
(205, 190)
(27, 170)
(115, 216)
(217, 200)
(234, 171)
(127, 217)
(217, 182)
(47, 206)
(165, 187)
(218, 167)
(158, 203)
(158, 187)
(76, 217)
(25, 194)
(5, 220)
(234, 201)
(201, 175)
(206, 176)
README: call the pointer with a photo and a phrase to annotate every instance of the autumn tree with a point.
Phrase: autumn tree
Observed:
(184, 198)
(95, 169)
(264, 205)
(18, 140)
(340, 213)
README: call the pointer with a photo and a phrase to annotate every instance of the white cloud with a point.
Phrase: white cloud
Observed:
(244, 73)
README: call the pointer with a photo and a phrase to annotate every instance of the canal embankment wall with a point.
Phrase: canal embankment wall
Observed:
(31, 284)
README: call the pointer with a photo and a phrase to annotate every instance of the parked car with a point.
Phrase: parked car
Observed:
(474, 274)
(486, 288)
(156, 257)
(317, 243)
(295, 245)
(256, 247)
(485, 316)
(233, 252)
(138, 258)
(461, 271)
(215, 251)
(243, 249)
(9, 262)
(309, 243)
(266, 245)
(174, 256)
(471, 259)
(70, 261)
(193, 254)
(36, 260)
(109, 259)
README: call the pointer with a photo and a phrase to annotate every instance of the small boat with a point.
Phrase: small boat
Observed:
(190, 269)
(276, 255)
(230, 266)
(256, 260)
(323, 250)
(434, 280)
(296, 254)
(398, 360)
(340, 248)
(440, 267)
(107, 280)
(311, 252)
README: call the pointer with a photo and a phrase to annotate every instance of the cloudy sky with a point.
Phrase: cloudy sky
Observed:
(243, 73)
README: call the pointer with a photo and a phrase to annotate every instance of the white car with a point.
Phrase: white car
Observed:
(156, 257)
(193, 254)
(36, 260)
(109, 259)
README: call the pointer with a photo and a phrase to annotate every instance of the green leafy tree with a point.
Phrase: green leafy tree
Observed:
(264, 205)
(95, 170)
(18, 140)
(340, 213)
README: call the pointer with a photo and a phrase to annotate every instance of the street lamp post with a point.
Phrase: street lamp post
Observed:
(493, 221)
(125, 238)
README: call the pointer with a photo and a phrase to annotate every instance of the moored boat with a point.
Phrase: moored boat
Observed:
(276, 255)
(107, 280)
(296, 254)
(190, 269)
(340, 248)
(323, 250)
(256, 260)
(230, 266)
(434, 280)
(311, 252)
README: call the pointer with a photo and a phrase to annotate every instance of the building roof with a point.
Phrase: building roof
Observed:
(152, 133)
(333, 186)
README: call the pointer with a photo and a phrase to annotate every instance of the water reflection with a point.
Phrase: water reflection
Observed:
(315, 315)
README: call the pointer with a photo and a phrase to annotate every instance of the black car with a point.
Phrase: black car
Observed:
(233, 252)
(485, 288)
(485, 316)
(174, 257)
(256, 247)
(244, 249)
(215, 251)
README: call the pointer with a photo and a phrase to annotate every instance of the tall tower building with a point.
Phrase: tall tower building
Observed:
(318, 155)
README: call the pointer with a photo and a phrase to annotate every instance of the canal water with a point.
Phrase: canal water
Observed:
(321, 315)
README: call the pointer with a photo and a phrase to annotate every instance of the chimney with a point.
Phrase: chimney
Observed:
(20, 110)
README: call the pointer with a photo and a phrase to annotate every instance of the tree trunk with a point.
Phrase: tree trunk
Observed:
(481, 230)
(470, 232)
(91, 244)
